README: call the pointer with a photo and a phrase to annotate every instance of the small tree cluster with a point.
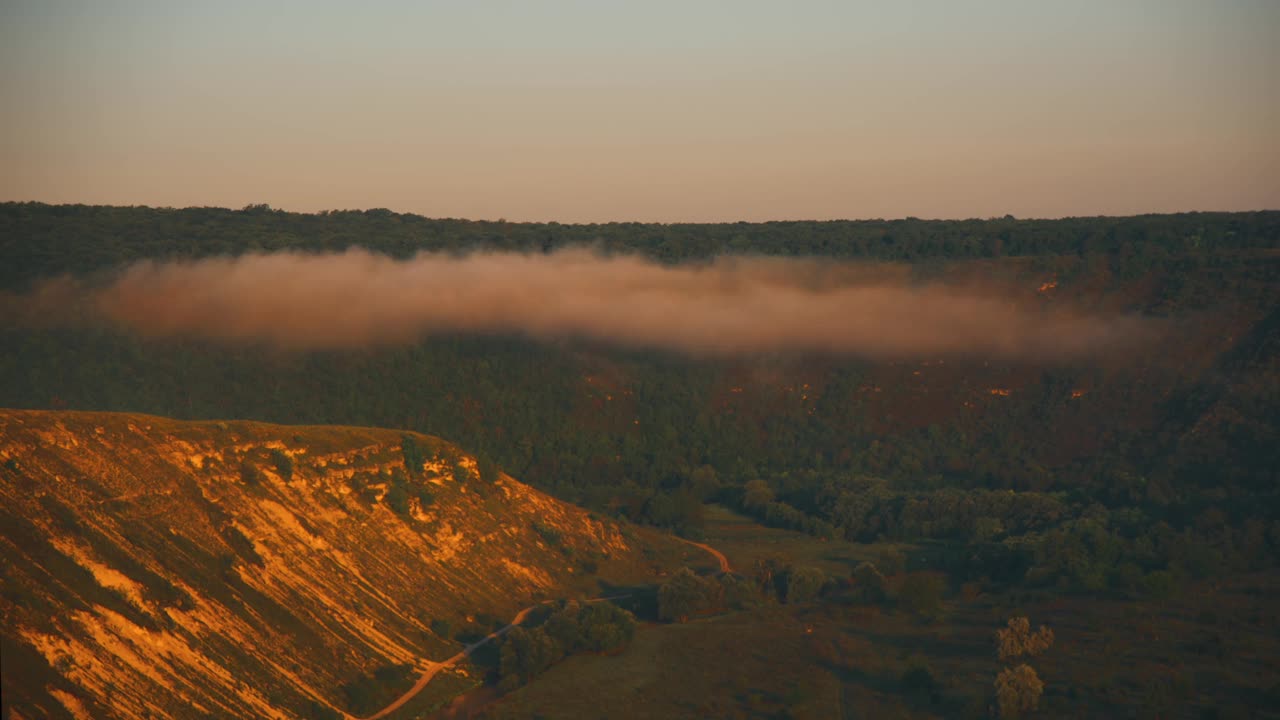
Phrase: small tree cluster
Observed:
(400, 490)
(776, 578)
(758, 500)
(599, 627)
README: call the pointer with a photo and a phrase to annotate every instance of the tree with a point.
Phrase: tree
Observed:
(1017, 639)
(703, 482)
(737, 591)
(605, 627)
(768, 574)
(685, 594)
(757, 495)
(524, 654)
(413, 458)
(397, 497)
(804, 584)
(1018, 690)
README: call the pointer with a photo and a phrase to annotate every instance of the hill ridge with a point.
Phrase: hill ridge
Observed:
(192, 556)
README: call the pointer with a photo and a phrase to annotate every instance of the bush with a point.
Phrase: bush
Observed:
(804, 584)
(283, 464)
(686, 594)
(397, 498)
(250, 474)
(738, 592)
(918, 681)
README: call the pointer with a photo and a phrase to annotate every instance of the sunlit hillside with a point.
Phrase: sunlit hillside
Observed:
(156, 568)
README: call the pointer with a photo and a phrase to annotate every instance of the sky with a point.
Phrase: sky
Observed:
(654, 111)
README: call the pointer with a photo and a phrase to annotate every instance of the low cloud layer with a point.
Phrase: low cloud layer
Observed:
(730, 306)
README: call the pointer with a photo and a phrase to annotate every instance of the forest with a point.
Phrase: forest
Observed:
(1125, 477)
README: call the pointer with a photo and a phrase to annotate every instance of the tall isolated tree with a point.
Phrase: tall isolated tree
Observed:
(412, 455)
(1018, 691)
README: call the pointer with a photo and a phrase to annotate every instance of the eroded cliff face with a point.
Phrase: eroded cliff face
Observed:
(156, 568)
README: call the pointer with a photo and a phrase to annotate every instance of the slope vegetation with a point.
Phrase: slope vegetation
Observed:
(157, 568)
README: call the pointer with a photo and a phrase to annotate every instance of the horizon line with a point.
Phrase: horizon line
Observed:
(267, 207)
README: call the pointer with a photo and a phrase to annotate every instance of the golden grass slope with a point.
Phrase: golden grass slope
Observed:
(148, 573)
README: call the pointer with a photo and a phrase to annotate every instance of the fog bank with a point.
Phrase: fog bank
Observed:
(733, 305)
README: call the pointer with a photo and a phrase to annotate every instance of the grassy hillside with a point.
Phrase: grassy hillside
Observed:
(156, 568)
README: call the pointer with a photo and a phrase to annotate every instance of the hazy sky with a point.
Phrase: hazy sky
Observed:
(653, 110)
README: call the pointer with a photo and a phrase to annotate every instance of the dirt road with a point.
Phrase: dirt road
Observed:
(434, 668)
(720, 558)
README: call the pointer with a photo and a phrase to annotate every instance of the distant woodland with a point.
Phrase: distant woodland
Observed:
(1121, 477)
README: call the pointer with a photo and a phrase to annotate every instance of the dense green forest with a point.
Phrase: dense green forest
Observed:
(1120, 476)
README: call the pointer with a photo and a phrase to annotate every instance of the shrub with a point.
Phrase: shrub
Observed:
(250, 474)
(918, 681)
(686, 594)
(283, 464)
(397, 498)
(804, 584)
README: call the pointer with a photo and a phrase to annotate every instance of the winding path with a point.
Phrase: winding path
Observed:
(433, 667)
(720, 558)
